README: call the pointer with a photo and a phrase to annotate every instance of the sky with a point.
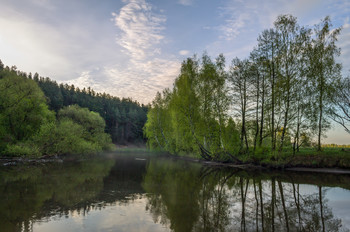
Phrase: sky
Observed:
(134, 48)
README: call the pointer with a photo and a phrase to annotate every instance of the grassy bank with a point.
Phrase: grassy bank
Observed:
(306, 157)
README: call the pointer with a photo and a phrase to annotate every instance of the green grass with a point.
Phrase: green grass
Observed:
(306, 157)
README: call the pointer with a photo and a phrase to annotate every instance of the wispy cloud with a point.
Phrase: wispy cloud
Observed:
(236, 16)
(145, 70)
(140, 29)
(240, 16)
(143, 81)
(233, 26)
(186, 2)
(184, 52)
(139, 82)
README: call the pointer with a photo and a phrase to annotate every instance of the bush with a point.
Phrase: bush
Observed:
(22, 149)
(23, 110)
(78, 131)
(28, 128)
(65, 137)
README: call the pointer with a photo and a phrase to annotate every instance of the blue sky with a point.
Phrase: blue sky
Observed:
(134, 48)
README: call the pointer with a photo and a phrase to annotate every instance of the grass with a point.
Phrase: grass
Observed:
(306, 157)
(328, 157)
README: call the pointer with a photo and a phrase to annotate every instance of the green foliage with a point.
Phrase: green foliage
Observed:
(324, 73)
(67, 137)
(89, 120)
(124, 118)
(28, 128)
(192, 118)
(277, 99)
(23, 149)
(78, 131)
(340, 112)
(231, 137)
(23, 108)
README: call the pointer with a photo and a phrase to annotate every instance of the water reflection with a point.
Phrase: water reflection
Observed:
(200, 198)
(33, 192)
(160, 194)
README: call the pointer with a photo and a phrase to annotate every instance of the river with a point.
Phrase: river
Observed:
(144, 192)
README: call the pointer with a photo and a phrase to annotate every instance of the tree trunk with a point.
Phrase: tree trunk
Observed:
(257, 111)
(273, 199)
(297, 203)
(285, 121)
(257, 207)
(321, 207)
(273, 144)
(261, 206)
(262, 112)
(320, 118)
(283, 205)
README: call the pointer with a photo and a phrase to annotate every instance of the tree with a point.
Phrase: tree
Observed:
(52, 92)
(92, 123)
(158, 128)
(324, 72)
(292, 40)
(23, 109)
(268, 51)
(271, 95)
(340, 113)
(213, 102)
(240, 72)
(185, 108)
(77, 131)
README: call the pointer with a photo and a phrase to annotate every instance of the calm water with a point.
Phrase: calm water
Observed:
(139, 192)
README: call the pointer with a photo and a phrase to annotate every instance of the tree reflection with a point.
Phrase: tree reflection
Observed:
(181, 195)
(33, 192)
(199, 198)
(173, 191)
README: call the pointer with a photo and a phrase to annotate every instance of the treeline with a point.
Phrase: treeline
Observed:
(29, 128)
(124, 117)
(39, 117)
(280, 98)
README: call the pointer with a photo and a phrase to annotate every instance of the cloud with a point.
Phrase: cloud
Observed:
(233, 26)
(185, 2)
(140, 29)
(145, 69)
(241, 22)
(241, 16)
(184, 52)
(84, 51)
(24, 44)
(54, 43)
(139, 82)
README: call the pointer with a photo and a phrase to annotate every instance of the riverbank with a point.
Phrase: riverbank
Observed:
(326, 161)
(270, 166)
(329, 160)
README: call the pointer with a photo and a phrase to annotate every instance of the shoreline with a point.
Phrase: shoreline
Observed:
(247, 166)
(12, 161)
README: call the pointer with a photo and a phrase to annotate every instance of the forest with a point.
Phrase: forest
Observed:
(280, 99)
(39, 117)
(124, 117)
